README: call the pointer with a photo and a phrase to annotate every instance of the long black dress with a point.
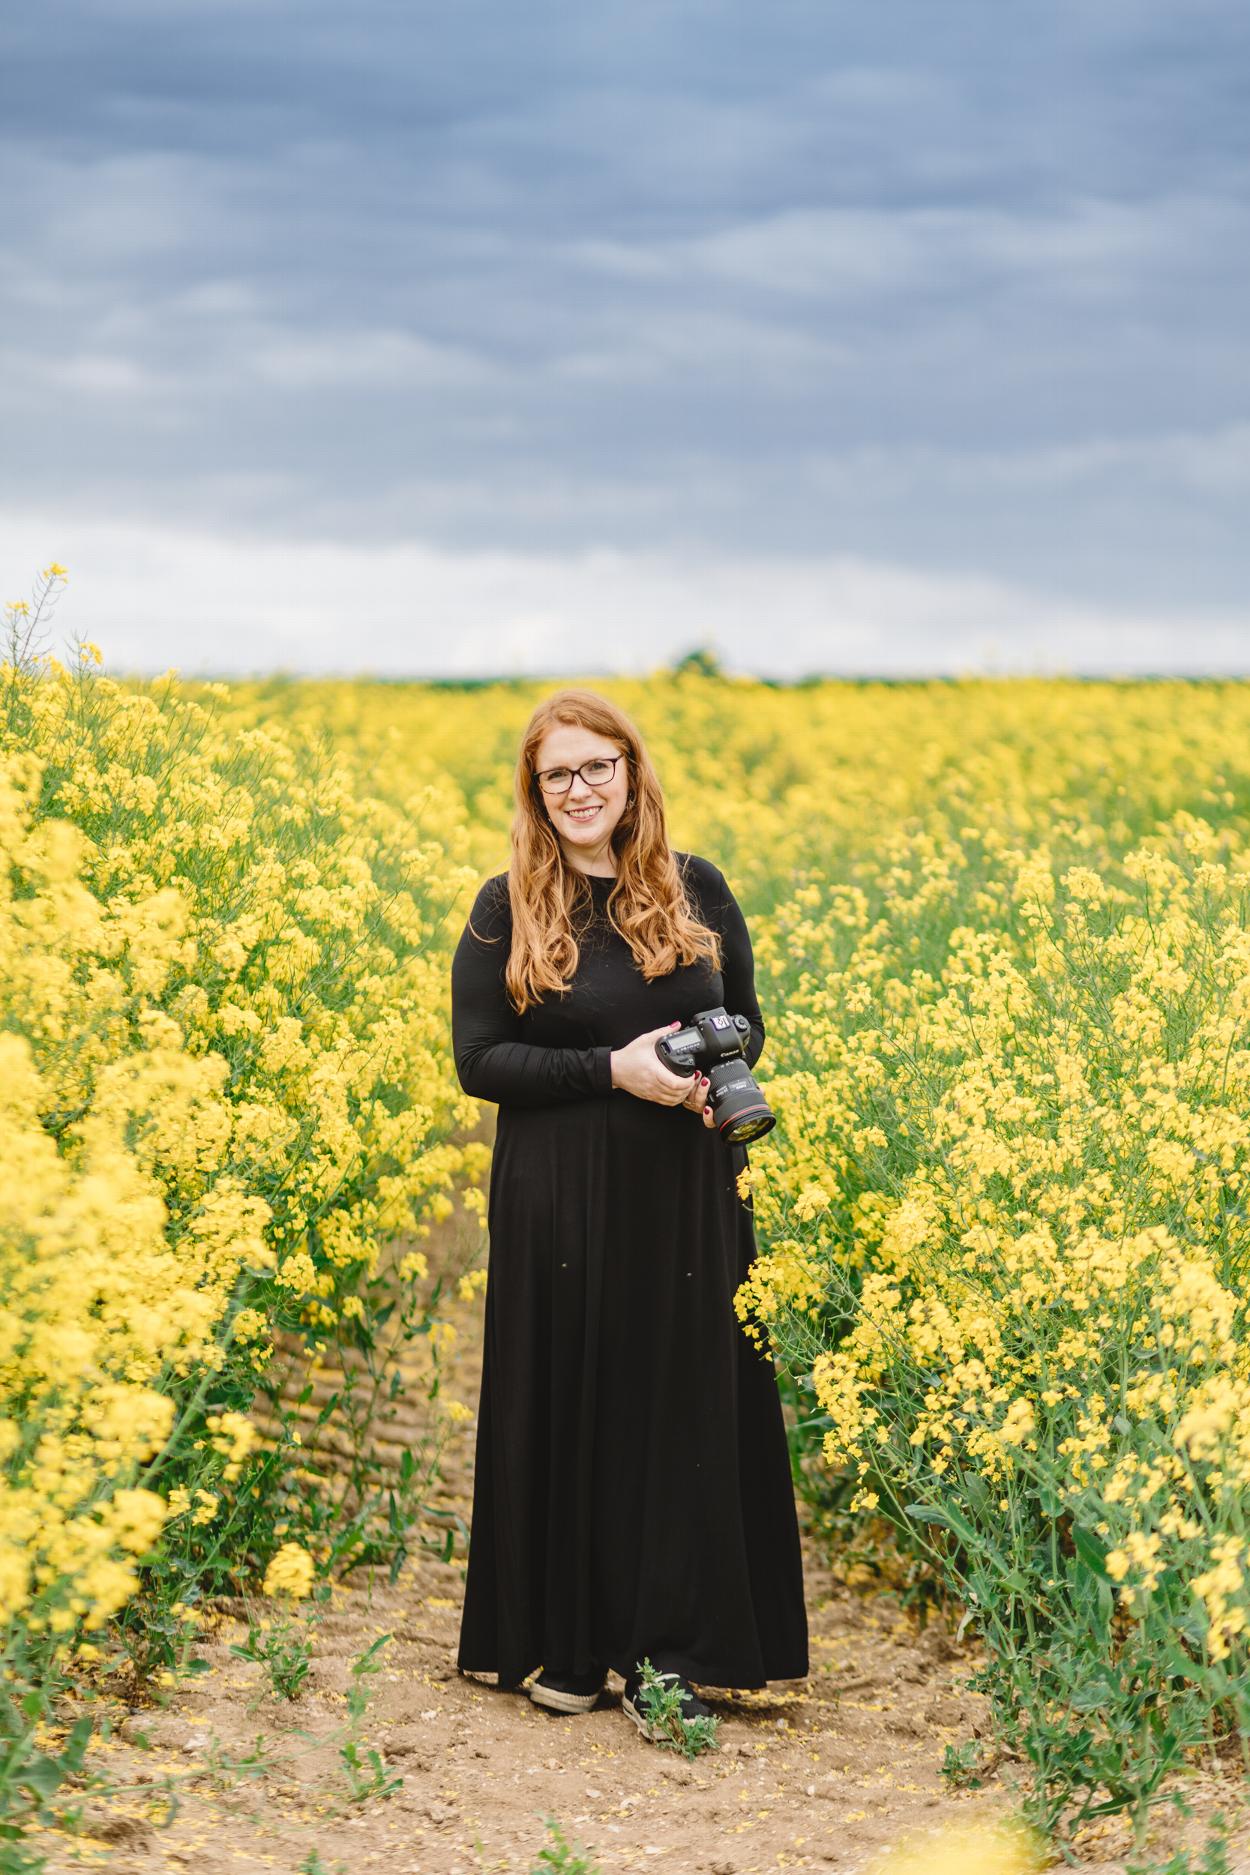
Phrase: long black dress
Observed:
(632, 1491)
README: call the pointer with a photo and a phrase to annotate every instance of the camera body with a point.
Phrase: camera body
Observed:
(714, 1043)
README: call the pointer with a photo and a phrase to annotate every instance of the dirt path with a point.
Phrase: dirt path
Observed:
(817, 1775)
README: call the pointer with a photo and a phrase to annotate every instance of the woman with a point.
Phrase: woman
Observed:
(632, 1492)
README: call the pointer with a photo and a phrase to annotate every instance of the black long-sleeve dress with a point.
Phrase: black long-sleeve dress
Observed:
(632, 1491)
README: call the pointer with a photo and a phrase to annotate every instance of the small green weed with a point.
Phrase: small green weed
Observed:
(283, 1647)
(961, 1765)
(313, 1865)
(1211, 1859)
(569, 1858)
(377, 1780)
(660, 1699)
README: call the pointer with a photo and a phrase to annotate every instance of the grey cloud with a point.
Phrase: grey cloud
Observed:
(942, 289)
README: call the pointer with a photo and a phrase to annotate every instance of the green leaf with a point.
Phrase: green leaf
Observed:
(43, 1775)
(1091, 1552)
(945, 1515)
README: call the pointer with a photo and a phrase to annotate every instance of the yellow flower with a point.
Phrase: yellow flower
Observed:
(291, 1571)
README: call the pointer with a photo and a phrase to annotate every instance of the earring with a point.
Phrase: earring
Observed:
(629, 800)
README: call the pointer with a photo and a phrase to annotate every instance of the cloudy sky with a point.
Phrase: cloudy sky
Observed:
(563, 338)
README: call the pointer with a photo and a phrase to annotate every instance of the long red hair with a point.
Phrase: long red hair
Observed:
(550, 899)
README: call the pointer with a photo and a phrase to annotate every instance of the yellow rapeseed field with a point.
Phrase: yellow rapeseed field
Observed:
(224, 1088)
(1003, 952)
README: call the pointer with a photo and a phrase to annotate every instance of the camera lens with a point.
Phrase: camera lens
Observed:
(740, 1110)
(749, 1126)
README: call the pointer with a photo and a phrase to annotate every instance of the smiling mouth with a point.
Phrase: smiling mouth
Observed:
(584, 813)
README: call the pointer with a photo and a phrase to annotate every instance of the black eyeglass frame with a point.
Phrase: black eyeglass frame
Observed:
(614, 759)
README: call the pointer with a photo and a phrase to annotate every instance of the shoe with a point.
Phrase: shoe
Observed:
(567, 1692)
(692, 1707)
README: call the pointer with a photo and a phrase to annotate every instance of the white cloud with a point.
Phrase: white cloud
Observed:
(86, 373)
(302, 360)
(119, 209)
(155, 596)
(192, 365)
(1084, 243)
(1207, 462)
(685, 345)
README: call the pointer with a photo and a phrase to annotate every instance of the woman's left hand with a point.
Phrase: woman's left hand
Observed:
(697, 1101)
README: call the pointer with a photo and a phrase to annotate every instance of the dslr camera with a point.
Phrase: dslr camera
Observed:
(713, 1043)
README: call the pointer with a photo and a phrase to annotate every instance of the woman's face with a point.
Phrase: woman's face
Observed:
(585, 816)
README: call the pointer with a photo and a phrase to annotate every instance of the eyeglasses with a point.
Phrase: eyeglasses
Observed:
(597, 774)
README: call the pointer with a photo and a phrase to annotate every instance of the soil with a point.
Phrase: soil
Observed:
(829, 1773)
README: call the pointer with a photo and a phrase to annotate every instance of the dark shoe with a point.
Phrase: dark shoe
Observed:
(692, 1707)
(567, 1692)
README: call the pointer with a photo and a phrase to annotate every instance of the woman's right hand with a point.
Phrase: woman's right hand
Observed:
(638, 1069)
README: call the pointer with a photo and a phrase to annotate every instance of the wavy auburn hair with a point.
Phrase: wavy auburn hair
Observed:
(551, 900)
